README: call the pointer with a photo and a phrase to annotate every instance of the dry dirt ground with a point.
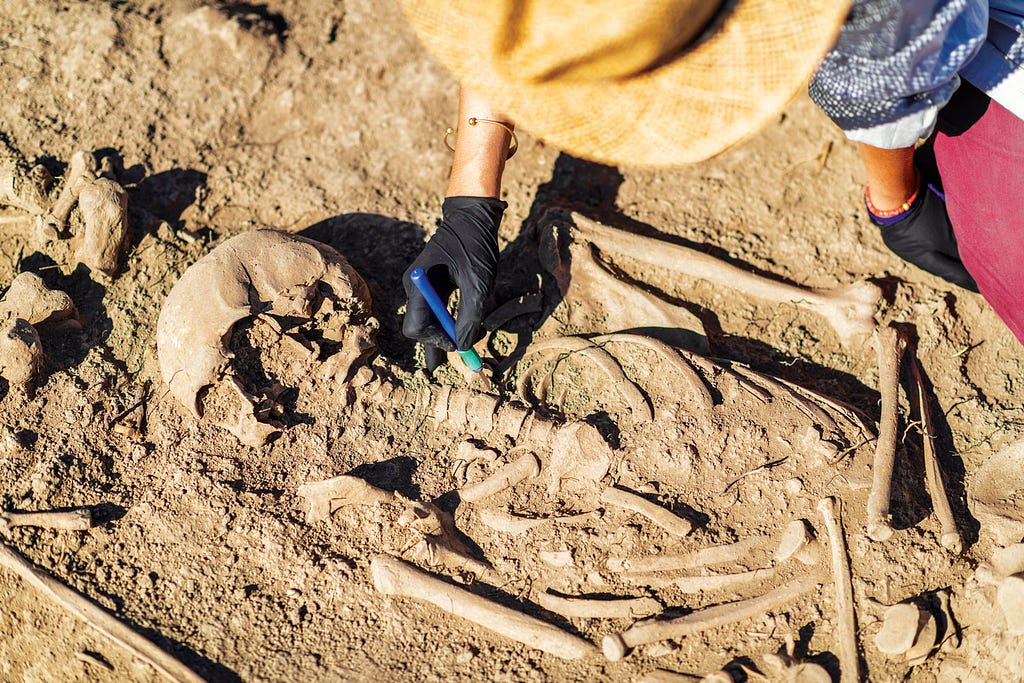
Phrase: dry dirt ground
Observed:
(326, 118)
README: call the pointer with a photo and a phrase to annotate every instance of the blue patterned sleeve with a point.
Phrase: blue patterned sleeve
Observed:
(895, 64)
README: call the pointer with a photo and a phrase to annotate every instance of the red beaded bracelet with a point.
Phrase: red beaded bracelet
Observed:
(904, 207)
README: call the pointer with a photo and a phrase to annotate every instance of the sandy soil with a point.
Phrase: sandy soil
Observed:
(325, 119)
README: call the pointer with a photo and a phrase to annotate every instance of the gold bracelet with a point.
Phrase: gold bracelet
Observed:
(473, 120)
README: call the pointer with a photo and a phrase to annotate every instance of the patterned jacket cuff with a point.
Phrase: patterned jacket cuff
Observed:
(898, 134)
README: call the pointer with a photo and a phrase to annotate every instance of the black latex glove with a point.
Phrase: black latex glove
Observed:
(463, 255)
(924, 237)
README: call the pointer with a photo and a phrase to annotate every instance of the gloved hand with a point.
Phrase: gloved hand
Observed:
(924, 237)
(463, 255)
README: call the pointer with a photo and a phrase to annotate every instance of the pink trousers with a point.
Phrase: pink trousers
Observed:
(982, 170)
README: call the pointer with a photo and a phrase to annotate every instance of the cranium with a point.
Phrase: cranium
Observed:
(306, 313)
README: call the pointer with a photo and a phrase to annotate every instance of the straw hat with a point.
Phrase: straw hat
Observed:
(638, 83)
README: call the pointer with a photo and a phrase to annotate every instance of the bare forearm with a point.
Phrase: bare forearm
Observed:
(480, 150)
(891, 176)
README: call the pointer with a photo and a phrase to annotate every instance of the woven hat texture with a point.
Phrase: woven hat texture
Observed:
(635, 83)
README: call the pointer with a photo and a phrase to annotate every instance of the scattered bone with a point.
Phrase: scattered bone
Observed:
(901, 625)
(104, 207)
(785, 669)
(578, 453)
(325, 497)
(601, 359)
(21, 352)
(80, 172)
(597, 608)
(617, 645)
(556, 558)
(599, 300)
(29, 298)
(22, 187)
(524, 467)
(849, 309)
(392, 576)
(666, 519)
(97, 617)
(849, 661)
(891, 344)
(798, 542)
(78, 519)
(950, 539)
(284, 275)
(468, 455)
(720, 554)
(924, 643)
(506, 522)
(439, 543)
(1010, 598)
(996, 493)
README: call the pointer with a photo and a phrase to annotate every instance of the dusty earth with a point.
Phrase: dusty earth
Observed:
(325, 119)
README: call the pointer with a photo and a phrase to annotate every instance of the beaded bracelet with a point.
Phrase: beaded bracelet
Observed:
(891, 213)
(473, 120)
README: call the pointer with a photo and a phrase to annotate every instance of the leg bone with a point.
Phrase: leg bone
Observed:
(891, 344)
(849, 660)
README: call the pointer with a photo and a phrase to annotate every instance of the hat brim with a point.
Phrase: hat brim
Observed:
(710, 98)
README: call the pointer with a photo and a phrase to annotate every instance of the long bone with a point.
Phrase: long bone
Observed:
(78, 519)
(97, 617)
(579, 606)
(719, 554)
(602, 302)
(510, 474)
(666, 519)
(849, 661)
(849, 309)
(617, 645)
(508, 523)
(392, 576)
(950, 538)
(891, 344)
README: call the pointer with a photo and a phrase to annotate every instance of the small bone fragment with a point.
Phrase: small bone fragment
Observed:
(595, 608)
(21, 352)
(97, 617)
(670, 522)
(440, 543)
(556, 558)
(890, 344)
(798, 541)
(81, 171)
(507, 476)
(104, 207)
(578, 452)
(663, 676)
(925, 641)
(900, 626)
(617, 645)
(29, 298)
(1010, 598)
(660, 649)
(849, 309)
(719, 554)
(995, 492)
(950, 539)
(325, 497)
(468, 454)
(392, 576)
(849, 661)
(78, 519)
(21, 187)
